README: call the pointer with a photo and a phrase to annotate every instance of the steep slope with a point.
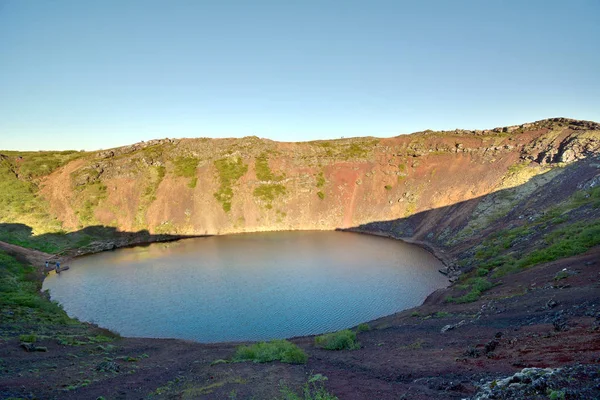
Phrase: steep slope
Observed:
(216, 186)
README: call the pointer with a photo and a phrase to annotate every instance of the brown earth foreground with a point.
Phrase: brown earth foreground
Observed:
(530, 320)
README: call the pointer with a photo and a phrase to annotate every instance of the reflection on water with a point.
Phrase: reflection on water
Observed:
(247, 287)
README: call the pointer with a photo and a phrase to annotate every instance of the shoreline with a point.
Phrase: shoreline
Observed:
(123, 245)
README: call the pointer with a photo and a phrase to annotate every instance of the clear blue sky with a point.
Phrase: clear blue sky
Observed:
(98, 74)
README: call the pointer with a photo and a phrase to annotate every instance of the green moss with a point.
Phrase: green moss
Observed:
(281, 350)
(185, 166)
(192, 184)
(516, 168)
(263, 171)
(341, 340)
(92, 195)
(320, 180)
(229, 171)
(268, 192)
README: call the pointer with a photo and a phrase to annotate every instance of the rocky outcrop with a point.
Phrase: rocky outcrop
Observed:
(553, 383)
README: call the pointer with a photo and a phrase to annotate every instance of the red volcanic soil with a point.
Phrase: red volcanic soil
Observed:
(530, 320)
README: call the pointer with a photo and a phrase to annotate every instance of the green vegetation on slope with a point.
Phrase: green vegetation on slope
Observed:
(157, 174)
(92, 195)
(267, 192)
(31, 165)
(557, 237)
(186, 167)
(19, 295)
(346, 149)
(262, 352)
(28, 314)
(20, 173)
(263, 171)
(229, 171)
(320, 180)
(341, 340)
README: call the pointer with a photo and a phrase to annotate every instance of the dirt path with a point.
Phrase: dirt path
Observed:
(33, 257)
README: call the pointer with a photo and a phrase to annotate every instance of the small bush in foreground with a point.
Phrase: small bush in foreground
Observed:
(313, 389)
(477, 285)
(342, 340)
(363, 328)
(281, 350)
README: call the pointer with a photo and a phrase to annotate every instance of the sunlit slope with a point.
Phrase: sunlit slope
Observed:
(216, 186)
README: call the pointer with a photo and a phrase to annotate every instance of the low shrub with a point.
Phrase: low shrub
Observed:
(341, 340)
(313, 389)
(281, 350)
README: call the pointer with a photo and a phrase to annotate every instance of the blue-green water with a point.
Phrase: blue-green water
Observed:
(247, 287)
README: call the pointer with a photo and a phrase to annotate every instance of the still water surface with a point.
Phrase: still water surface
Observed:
(247, 287)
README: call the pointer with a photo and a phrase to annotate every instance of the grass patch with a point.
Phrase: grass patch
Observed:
(320, 180)
(564, 242)
(359, 149)
(92, 194)
(26, 311)
(268, 192)
(313, 389)
(263, 171)
(185, 166)
(262, 352)
(341, 340)
(388, 187)
(31, 338)
(229, 171)
(476, 287)
(363, 328)
(321, 195)
(518, 167)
